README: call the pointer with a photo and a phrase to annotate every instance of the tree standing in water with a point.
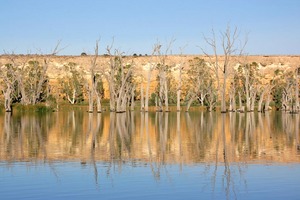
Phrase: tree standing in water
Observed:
(223, 68)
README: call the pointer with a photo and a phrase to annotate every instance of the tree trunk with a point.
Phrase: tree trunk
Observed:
(253, 102)
(72, 100)
(179, 89)
(160, 97)
(7, 100)
(124, 103)
(178, 100)
(147, 90)
(118, 106)
(259, 107)
(142, 98)
(240, 100)
(268, 100)
(247, 91)
(261, 98)
(99, 106)
(132, 99)
(91, 101)
(112, 99)
(189, 103)
(24, 99)
(232, 102)
(223, 100)
(166, 96)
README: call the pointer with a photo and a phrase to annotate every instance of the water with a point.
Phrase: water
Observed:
(196, 155)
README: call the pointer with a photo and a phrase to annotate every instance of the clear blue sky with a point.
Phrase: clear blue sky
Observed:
(29, 25)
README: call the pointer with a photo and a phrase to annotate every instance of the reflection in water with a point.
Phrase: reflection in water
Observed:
(158, 137)
(224, 143)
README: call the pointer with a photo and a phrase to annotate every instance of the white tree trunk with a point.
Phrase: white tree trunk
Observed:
(142, 98)
(72, 100)
(91, 101)
(147, 90)
(178, 100)
(132, 99)
(247, 90)
(7, 99)
(253, 97)
(189, 103)
(268, 100)
(240, 100)
(261, 98)
(179, 88)
(166, 95)
(99, 106)
(223, 94)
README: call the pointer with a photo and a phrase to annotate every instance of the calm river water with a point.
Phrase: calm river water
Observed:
(134, 155)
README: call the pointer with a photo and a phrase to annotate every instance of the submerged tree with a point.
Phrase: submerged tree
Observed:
(163, 69)
(120, 80)
(150, 67)
(99, 91)
(180, 68)
(94, 84)
(222, 69)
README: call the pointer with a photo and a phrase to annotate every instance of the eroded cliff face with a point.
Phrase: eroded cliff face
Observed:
(140, 62)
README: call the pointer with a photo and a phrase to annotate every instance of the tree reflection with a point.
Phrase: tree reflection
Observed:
(25, 137)
(224, 143)
(178, 132)
(155, 166)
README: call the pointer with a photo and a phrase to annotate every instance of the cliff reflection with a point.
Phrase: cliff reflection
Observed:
(152, 138)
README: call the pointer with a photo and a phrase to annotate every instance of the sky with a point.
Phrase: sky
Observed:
(272, 27)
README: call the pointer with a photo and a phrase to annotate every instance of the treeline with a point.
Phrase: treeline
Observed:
(231, 82)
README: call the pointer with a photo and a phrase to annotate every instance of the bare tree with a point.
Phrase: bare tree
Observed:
(120, 80)
(151, 66)
(99, 91)
(180, 67)
(29, 77)
(132, 104)
(229, 49)
(142, 98)
(264, 90)
(8, 85)
(36, 77)
(91, 85)
(163, 68)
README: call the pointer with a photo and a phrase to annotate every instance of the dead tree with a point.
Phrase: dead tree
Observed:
(151, 66)
(119, 78)
(8, 85)
(228, 45)
(163, 68)
(179, 84)
(91, 86)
